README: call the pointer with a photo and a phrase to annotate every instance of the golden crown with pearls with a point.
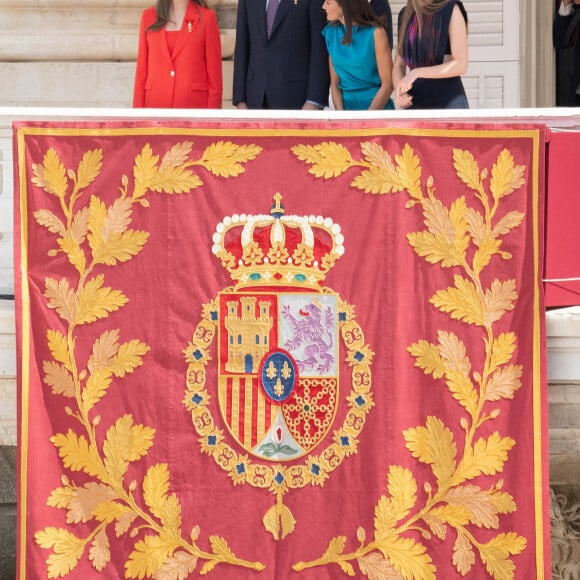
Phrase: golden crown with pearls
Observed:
(277, 249)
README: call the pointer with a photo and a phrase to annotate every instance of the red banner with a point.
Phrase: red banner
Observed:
(562, 217)
(281, 350)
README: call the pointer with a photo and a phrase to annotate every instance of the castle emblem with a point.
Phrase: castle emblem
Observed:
(283, 341)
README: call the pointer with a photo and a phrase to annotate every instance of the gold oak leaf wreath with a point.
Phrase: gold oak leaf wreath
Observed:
(93, 236)
(466, 239)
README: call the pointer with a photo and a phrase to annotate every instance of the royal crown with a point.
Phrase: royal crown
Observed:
(278, 249)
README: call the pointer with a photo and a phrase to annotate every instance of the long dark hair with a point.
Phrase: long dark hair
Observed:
(162, 10)
(358, 12)
(420, 8)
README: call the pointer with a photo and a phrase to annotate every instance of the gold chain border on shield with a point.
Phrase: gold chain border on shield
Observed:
(279, 479)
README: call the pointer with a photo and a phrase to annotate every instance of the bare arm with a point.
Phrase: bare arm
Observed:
(334, 88)
(402, 99)
(385, 68)
(454, 66)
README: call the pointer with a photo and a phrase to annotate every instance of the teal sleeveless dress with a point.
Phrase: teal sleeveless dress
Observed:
(355, 64)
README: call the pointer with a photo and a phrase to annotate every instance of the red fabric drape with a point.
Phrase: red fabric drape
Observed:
(281, 350)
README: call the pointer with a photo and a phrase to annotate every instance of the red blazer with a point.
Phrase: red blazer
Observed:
(191, 77)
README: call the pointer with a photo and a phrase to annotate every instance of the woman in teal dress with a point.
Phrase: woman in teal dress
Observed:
(359, 56)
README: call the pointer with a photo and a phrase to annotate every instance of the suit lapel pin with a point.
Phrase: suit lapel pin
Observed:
(189, 26)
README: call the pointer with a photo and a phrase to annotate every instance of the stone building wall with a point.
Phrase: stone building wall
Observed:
(62, 53)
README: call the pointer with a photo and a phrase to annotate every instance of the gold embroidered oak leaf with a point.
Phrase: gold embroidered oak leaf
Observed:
(164, 506)
(402, 488)
(427, 358)
(220, 548)
(80, 225)
(129, 357)
(507, 223)
(327, 159)
(120, 247)
(461, 302)
(51, 175)
(504, 503)
(149, 555)
(502, 349)
(123, 523)
(377, 180)
(409, 170)
(454, 515)
(467, 169)
(461, 388)
(505, 178)
(85, 499)
(381, 177)
(488, 248)
(117, 218)
(58, 378)
(225, 159)
(89, 167)
(176, 180)
(124, 443)
(60, 497)
(486, 457)
(499, 299)
(104, 350)
(47, 219)
(479, 503)
(375, 567)
(436, 525)
(62, 298)
(144, 171)
(436, 248)
(463, 556)
(176, 156)
(73, 252)
(385, 518)
(78, 455)
(495, 554)
(335, 548)
(58, 346)
(476, 226)
(178, 567)
(109, 511)
(408, 557)
(434, 445)
(99, 552)
(96, 221)
(67, 550)
(96, 302)
(504, 383)
(95, 388)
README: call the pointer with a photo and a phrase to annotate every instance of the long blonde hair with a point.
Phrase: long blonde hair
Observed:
(421, 8)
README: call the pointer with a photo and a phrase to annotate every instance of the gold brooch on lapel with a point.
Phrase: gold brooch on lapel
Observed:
(189, 26)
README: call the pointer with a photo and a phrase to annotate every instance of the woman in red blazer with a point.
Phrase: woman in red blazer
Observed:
(179, 63)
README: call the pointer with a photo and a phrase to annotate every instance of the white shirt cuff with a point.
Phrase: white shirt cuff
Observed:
(565, 10)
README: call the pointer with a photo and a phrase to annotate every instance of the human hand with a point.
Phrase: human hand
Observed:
(310, 107)
(403, 101)
(406, 83)
(242, 105)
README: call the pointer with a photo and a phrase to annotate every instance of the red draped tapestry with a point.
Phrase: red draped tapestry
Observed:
(281, 350)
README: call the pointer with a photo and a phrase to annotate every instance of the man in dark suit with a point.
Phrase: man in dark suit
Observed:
(286, 67)
(567, 41)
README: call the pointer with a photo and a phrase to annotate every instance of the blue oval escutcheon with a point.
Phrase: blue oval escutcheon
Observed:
(278, 375)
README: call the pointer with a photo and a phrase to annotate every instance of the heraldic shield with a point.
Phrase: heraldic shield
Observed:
(280, 338)
(278, 374)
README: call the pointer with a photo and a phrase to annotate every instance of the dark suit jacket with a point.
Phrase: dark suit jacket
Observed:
(568, 72)
(290, 67)
(191, 77)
